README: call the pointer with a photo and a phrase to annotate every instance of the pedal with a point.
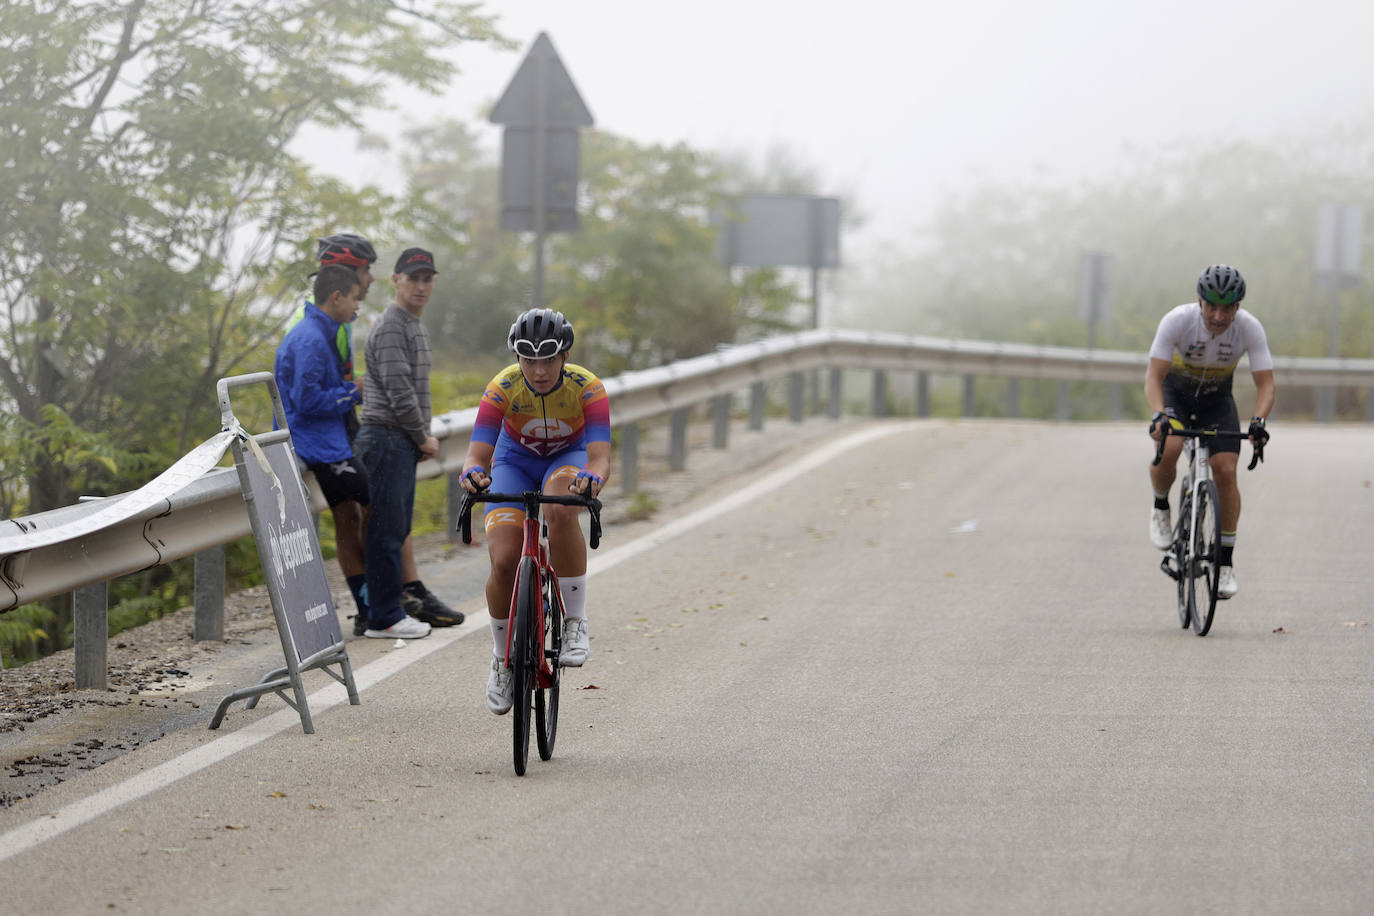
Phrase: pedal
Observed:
(1167, 567)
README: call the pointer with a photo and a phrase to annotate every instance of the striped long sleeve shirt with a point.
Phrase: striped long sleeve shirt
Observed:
(398, 361)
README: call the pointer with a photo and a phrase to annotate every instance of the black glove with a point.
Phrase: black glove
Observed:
(1258, 434)
(1160, 416)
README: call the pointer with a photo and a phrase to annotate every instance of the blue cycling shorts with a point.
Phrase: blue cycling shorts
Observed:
(514, 470)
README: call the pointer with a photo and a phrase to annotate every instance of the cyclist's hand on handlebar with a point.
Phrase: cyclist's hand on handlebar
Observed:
(586, 483)
(1157, 422)
(475, 479)
(1259, 436)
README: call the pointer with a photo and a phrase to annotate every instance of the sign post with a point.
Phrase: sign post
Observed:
(291, 561)
(1340, 233)
(541, 111)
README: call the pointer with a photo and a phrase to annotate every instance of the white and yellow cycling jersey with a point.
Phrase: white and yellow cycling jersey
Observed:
(1205, 363)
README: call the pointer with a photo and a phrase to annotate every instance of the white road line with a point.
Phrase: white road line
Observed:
(27, 836)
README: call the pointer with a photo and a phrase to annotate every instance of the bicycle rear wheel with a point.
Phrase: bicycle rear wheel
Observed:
(1205, 571)
(1179, 548)
(546, 699)
(523, 665)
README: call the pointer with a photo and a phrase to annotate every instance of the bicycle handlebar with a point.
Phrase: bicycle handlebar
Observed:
(531, 499)
(1169, 430)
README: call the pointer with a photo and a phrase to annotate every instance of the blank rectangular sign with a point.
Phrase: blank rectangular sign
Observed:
(780, 230)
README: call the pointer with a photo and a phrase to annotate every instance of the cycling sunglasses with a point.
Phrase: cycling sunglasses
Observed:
(544, 349)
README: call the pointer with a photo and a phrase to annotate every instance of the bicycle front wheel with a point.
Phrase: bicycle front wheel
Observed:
(524, 667)
(546, 699)
(1205, 570)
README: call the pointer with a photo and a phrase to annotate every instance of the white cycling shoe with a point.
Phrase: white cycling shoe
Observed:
(576, 644)
(1161, 528)
(500, 688)
(1226, 583)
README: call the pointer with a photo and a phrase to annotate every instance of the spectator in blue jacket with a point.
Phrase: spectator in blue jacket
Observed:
(317, 399)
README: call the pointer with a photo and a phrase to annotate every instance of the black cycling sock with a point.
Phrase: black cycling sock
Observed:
(1161, 502)
(1224, 552)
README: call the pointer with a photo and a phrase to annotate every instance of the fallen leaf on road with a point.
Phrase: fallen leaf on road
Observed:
(589, 687)
(276, 794)
(1280, 630)
(1357, 623)
(235, 826)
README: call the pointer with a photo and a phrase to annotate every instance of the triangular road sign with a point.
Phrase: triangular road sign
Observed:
(563, 105)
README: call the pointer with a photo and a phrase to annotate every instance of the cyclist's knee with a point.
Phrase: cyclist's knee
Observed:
(1224, 469)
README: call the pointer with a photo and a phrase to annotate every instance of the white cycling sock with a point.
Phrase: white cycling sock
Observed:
(498, 638)
(574, 592)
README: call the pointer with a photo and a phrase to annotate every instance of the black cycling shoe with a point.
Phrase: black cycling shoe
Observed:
(422, 604)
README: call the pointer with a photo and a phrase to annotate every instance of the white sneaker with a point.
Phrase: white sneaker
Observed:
(500, 688)
(575, 643)
(405, 628)
(1226, 583)
(1161, 528)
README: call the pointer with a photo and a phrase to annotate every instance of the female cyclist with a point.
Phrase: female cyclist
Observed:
(543, 423)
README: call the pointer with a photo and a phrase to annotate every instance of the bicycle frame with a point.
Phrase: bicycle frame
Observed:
(535, 547)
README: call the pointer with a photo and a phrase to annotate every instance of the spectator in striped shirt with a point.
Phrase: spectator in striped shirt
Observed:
(394, 438)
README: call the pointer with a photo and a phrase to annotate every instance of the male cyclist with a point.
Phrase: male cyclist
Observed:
(543, 423)
(1192, 361)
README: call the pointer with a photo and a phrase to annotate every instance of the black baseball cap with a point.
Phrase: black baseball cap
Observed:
(414, 259)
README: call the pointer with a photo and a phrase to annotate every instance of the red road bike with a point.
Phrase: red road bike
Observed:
(534, 638)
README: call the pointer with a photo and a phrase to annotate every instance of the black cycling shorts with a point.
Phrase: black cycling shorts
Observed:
(1216, 411)
(341, 481)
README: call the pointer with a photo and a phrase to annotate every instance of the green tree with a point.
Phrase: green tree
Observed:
(639, 277)
(641, 274)
(151, 207)
(1000, 261)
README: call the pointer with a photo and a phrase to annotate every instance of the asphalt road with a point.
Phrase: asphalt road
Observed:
(938, 672)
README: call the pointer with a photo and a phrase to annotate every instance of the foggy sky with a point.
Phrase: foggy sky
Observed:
(899, 105)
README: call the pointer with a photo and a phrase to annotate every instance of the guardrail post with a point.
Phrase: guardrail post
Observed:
(1061, 401)
(677, 440)
(796, 396)
(758, 400)
(1369, 404)
(879, 393)
(835, 403)
(629, 458)
(1114, 401)
(91, 635)
(922, 394)
(970, 407)
(720, 421)
(209, 591)
(1014, 398)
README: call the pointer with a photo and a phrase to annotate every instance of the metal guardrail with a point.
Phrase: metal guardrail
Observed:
(209, 511)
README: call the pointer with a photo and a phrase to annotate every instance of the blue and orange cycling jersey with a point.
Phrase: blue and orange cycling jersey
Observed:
(574, 413)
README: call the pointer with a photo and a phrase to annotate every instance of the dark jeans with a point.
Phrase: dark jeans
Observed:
(389, 456)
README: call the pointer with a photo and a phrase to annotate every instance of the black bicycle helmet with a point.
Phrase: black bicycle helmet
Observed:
(347, 249)
(1221, 284)
(539, 334)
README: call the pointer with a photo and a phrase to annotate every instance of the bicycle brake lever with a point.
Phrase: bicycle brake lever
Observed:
(465, 518)
(1159, 449)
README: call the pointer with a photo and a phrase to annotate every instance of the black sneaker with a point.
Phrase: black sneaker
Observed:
(422, 604)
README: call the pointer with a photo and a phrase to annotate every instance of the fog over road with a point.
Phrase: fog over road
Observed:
(939, 672)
